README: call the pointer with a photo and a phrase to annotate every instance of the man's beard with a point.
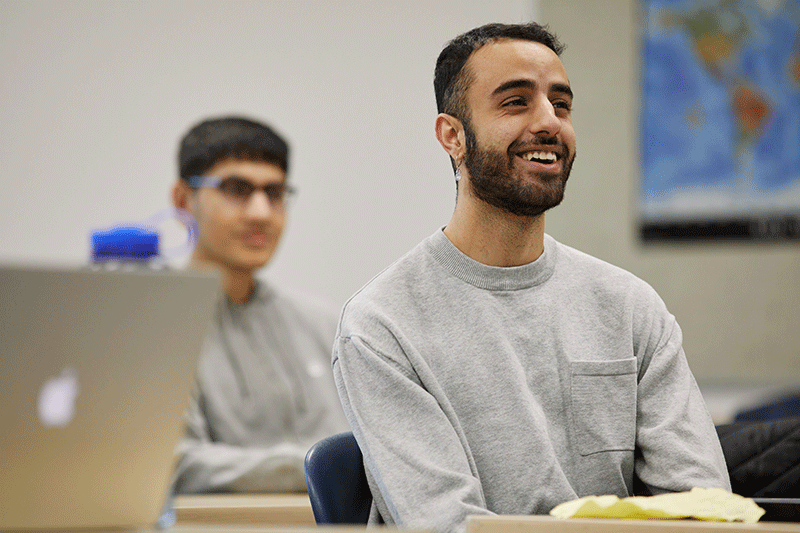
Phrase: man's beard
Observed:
(492, 178)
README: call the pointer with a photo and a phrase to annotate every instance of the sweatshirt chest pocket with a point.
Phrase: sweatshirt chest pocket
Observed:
(604, 405)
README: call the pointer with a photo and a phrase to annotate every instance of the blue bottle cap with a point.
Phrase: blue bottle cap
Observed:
(124, 244)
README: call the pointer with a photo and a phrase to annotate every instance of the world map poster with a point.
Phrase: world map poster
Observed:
(720, 116)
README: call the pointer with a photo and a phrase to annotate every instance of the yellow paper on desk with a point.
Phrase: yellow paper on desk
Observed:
(698, 503)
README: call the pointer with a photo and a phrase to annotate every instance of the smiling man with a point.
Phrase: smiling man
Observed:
(493, 369)
(265, 392)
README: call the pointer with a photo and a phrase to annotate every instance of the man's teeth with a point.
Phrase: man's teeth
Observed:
(547, 157)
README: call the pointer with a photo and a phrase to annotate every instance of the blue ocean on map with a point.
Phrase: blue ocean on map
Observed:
(720, 108)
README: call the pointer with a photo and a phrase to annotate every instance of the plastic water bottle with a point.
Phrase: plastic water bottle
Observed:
(136, 245)
(125, 248)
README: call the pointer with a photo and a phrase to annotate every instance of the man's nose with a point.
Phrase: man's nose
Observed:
(258, 205)
(544, 118)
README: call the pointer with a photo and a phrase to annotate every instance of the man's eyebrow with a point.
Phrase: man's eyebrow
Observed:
(562, 88)
(513, 84)
(528, 84)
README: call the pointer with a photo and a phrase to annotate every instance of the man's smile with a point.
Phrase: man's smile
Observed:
(547, 152)
(255, 239)
(543, 157)
(540, 156)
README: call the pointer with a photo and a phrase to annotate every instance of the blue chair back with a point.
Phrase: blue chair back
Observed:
(786, 406)
(337, 484)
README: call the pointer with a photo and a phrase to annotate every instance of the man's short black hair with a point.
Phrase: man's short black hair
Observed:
(450, 81)
(218, 139)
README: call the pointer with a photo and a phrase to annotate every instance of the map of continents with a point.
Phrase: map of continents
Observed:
(720, 109)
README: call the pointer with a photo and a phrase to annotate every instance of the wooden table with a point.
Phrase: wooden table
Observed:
(549, 524)
(293, 509)
(273, 529)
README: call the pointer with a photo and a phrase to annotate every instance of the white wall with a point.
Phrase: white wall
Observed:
(95, 95)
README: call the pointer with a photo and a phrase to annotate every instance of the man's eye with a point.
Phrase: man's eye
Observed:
(236, 187)
(514, 102)
(562, 105)
(274, 192)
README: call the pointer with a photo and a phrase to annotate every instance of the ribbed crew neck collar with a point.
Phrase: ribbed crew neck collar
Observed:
(261, 292)
(492, 277)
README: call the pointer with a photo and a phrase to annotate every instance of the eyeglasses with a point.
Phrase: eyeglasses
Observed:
(239, 190)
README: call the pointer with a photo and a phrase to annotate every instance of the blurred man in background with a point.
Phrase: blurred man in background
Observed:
(265, 392)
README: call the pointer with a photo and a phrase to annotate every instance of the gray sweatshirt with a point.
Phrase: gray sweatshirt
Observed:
(264, 395)
(476, 390)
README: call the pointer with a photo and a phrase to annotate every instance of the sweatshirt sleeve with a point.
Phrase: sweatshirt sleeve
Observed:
(677, 445)
(208, 466)
(419, 472)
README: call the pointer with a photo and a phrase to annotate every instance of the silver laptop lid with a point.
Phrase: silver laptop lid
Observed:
(96, 369)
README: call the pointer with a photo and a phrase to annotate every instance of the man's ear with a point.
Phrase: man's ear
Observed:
(181, 193)
(450, 134)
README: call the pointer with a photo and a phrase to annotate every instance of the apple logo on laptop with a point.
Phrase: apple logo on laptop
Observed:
(57, 399)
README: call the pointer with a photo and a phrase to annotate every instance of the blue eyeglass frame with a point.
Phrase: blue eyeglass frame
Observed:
(195, 182)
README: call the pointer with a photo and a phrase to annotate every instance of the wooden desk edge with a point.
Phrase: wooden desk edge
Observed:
(238, 509)
(549, 524)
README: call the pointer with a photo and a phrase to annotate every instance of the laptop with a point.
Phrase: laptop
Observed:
(96, 368)
(779, 509)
